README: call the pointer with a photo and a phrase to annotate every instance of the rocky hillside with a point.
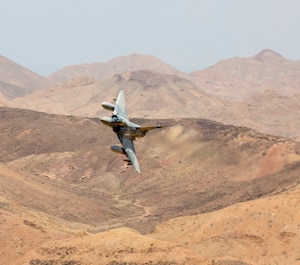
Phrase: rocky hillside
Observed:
(260, 92)
(16, 80)
(148, 94)
(265, 231)
(58, 174)
(118, 65)
(239, 78)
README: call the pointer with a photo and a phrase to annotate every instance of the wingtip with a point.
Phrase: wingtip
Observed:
(137, 168)
(132, 157)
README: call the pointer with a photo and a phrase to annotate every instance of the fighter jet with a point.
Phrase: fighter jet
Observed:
(126, 130)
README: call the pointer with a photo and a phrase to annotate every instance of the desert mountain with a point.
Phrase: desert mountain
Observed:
(239, 78)
(260, 92)
(4, 102)
(148, 93)
(16, 80)
(151, 94)
(75, 97)
(100, 71)
(58, 174)
(268, 112)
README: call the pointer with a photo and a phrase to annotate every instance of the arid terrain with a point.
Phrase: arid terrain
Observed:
(16, 80)
(69, 185)
(212, 191)
(260, 92)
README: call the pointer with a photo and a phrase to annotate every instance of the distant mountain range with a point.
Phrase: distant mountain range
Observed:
(260, 92)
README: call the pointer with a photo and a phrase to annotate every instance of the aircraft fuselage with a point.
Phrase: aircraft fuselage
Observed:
(122, 126)
(117, 120)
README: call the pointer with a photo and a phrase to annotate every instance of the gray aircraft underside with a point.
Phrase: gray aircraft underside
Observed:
(126, 130)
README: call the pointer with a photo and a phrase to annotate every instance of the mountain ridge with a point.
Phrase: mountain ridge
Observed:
(238, 78)
(16, 80)
(117, 65)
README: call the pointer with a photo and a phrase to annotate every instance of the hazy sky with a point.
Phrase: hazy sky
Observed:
(46, 35)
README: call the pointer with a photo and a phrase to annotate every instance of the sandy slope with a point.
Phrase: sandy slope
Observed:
(59, 182)
(265, 231)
